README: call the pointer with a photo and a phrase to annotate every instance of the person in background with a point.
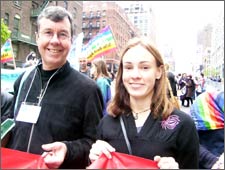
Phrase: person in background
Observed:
(208, 113)
(68, 104)
(103, 80)
(190, 92)
(155, 128)
(182, 81)
(178, 77)
(6, 102)
(202, 83)
(31, 59)
(172, 80)
(83, 66)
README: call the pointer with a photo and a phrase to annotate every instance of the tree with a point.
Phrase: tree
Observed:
(5, 32)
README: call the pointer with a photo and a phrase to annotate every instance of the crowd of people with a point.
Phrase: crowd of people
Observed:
(78, 118)
(185, 87)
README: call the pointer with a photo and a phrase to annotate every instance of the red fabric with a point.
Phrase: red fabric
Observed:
(20, 160)
(122, 161)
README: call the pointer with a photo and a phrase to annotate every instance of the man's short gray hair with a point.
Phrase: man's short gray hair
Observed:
(56, 14)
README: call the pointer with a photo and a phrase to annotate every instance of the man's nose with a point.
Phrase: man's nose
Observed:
(55, 38)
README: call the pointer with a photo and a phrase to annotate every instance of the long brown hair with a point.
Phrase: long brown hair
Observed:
(101, 68)
(160, 105)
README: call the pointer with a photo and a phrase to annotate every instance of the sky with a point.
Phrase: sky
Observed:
(177, 24)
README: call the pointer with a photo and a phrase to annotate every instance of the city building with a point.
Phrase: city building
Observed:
(20, 17)
(217, 50)
(167, 53)
(204, 39)
(211, 48)
(142, 16)
(99, 14)
(210, 42)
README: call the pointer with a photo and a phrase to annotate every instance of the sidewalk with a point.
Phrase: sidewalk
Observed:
(214, 86)
(185, 109)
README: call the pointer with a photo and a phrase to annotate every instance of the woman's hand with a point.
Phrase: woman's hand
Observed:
(100, 147)
(54, 155)
(166, 162)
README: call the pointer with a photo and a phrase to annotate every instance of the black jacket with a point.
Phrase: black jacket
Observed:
(173, 82)
(175, 137)
(6, 102)
(70, 111)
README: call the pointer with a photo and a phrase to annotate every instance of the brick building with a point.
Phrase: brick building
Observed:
(20, 16)
(97, 15)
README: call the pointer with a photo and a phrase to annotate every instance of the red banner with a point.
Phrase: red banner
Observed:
(123, 161)
(20, 160)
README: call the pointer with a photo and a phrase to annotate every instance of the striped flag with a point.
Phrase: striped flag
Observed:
(208, 111)
(7, 52)
(100, 45)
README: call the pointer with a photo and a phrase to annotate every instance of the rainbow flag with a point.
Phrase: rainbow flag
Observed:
(7, 52)
(100, 45)
(208, 111)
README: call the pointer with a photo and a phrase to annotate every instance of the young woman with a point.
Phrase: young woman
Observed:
(103, 80)
(155, 129)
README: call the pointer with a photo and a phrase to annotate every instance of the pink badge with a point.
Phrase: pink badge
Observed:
(171, 122)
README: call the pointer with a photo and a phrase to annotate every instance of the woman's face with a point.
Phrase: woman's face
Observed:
(140, 72)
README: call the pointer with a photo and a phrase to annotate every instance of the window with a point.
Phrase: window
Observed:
(6, 19)
(91, 14)
(103, 13)
(16, 23)
(17, 3)
(97, 23)
(136, 8)
(84, 15)
(103, 23)
(83, 25)
(89, 34)
(98, 13)
(90, 24)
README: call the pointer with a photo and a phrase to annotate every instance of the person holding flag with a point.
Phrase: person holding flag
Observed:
(141, 119)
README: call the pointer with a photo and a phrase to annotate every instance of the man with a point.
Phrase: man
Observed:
(68, 104)
(83, 66)
(31, 59)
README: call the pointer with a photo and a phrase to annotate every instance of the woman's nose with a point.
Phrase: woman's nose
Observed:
(135, 73)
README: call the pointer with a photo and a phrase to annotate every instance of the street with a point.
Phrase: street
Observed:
(210, 87)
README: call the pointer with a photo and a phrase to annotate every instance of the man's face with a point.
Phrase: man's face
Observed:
(54, 41)
(83, 63)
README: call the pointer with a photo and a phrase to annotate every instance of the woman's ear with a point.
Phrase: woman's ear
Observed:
(159, 72)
